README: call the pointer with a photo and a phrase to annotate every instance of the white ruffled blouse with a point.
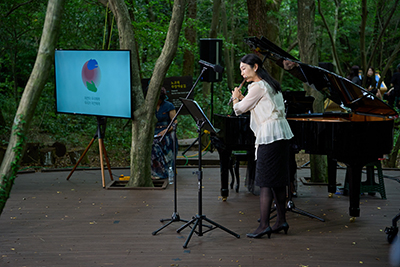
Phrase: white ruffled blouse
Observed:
(267, 113)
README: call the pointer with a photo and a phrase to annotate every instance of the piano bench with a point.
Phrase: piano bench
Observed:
(236, 158)
(370, 186)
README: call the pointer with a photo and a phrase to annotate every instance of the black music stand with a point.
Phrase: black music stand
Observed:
(175, 215)
(201, 121)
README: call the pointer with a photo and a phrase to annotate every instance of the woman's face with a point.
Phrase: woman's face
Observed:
(370, 72)
(248, 72)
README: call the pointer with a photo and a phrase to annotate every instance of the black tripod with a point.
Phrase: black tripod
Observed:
(175, 215)
(201, 120)
(290, 204)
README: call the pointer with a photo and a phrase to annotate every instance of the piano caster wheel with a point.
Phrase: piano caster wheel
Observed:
(330, 195)
(352, 219)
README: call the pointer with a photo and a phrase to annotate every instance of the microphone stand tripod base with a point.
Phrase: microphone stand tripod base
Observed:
(174, 218)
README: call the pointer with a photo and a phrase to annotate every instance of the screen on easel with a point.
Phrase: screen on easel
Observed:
(93, 82)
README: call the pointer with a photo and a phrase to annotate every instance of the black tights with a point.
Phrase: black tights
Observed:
(267, 195)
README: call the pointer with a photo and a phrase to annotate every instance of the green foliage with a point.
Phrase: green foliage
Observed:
(84, 27)
(20, 31)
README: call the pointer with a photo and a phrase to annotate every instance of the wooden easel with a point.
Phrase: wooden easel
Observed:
(101, 128)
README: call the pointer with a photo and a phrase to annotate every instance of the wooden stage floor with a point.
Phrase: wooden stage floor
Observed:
(49, 221)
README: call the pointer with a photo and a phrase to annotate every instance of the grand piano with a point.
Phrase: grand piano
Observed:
(349, 137)
(230, 138)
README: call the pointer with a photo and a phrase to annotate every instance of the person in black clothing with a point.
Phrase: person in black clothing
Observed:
(395, 81)
(353, 76)
(371, 84)
(394, 92)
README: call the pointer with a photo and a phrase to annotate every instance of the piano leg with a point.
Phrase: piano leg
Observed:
(224, 161)
(251, 173)
(354, 171)
(332, 163)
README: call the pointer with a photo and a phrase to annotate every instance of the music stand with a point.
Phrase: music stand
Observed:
(201, 122)
(175, 215)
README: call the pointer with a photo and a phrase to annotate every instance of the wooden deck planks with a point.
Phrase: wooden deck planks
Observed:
(49, 221)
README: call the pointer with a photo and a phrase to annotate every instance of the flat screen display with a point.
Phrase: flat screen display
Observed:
(93, 82)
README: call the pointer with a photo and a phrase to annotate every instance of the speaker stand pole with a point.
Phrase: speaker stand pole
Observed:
(212, 102)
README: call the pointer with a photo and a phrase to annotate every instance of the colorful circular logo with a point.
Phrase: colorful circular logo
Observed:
(91, 75)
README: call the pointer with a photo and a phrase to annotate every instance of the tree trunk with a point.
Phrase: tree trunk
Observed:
(335, 30)
(2, 120)
(190, 35)
(30, 98)
(212, 34)
(381, 33)
(389, 63)
(229, 68)
(264, 21)
(364, 15)
(332, 38)
(143, 122)
(309, 55)
(215, 19)
(391, 162)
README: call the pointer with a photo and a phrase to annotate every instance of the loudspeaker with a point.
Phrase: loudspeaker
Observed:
(211, 51)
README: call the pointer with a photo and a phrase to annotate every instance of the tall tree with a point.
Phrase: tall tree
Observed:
(332, 37)
(15, 36)
(264, 21)
(213, 33)
(308, 54)
(143, 122)
(30, 98)
(377, 41)
(229, 67)
(215, 19)
(190, 35)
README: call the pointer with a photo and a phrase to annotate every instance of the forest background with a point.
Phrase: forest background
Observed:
(358, 32)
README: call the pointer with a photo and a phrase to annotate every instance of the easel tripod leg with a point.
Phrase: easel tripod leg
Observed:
(80, 159)
(102, 164)
(106, 157)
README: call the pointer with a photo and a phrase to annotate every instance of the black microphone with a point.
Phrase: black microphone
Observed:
(216, 68)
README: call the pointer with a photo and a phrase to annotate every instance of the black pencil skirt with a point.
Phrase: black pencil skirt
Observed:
(272, 167)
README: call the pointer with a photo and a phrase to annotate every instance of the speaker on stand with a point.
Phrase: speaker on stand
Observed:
(211, 51)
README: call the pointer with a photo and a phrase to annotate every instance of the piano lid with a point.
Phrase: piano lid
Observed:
(340, 90)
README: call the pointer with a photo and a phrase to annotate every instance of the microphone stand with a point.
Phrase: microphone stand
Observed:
(175, 215)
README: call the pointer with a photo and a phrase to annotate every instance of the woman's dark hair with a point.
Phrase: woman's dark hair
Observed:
(373, 70)
(353, 72)
(370, 80)
(251, 60)
(163, 93)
